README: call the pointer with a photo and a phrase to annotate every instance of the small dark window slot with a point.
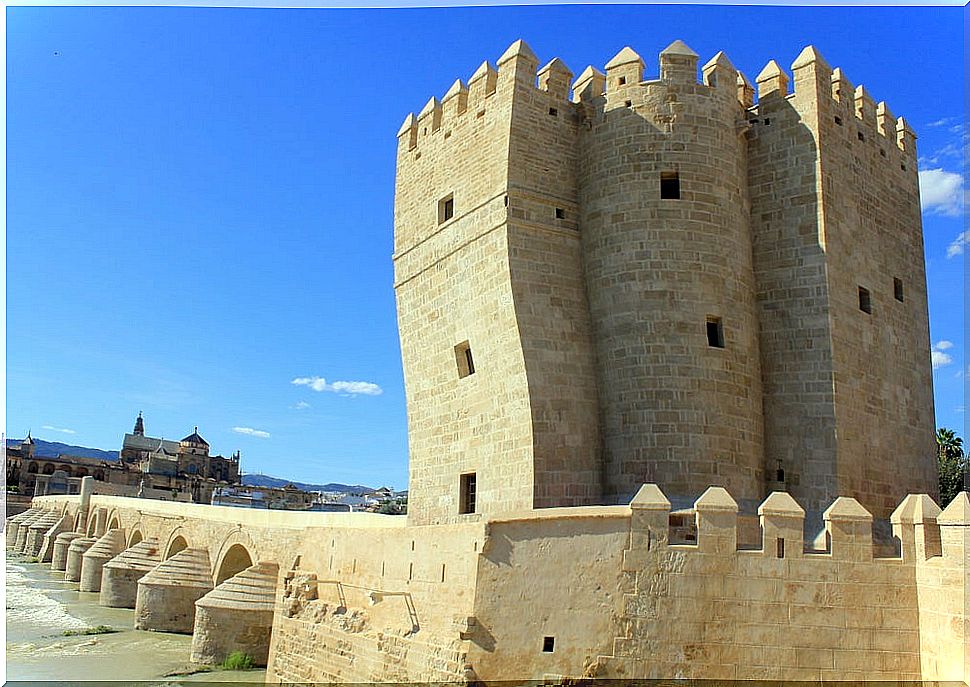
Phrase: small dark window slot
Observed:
(446, 209)
(560, 213)
(670, 185)
(838, 120)
(554, 112)
(715, 332)
(780, 475)
(468, 486)
(463, 357)
(621, 81)
(628, 103)
(767, 121)
(898, 289)
(882, 152)
(548, 644)
(862, 136)
(780, 547)
(865, 300)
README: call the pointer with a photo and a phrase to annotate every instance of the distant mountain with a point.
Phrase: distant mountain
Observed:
(258, 480)
(52, 449)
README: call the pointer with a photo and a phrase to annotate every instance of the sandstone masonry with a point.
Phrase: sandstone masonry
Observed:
(660, 281)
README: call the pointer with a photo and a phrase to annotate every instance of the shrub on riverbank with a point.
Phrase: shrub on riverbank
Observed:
(238, 660)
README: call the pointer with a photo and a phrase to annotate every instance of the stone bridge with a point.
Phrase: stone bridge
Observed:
(210, 571)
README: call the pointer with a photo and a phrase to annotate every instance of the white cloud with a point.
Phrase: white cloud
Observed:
(301, 405)
(251, 432)
(940, 122)
(343, 388)
(941, 192)
(62, 430)
(941, 359)
(956, 246)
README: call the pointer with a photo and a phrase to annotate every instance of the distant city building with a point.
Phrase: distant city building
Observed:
(148, 466)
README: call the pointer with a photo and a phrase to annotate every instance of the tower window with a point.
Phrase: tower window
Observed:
(621, 81)
(560, 213)
(780, 548)
(865, 301)
(862, 136)
(553, 112)
(838, 120)
(670, 185)
(463, 356)
(446, 208)
(715, 332)
(468, 488)
(548, 644)
(898, 289)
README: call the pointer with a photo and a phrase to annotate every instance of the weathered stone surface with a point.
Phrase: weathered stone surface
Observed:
(167, 594)
(75, 557)
(119, 578)
(237, 616)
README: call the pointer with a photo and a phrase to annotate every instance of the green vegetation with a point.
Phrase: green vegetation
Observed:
(953, 464)
(238, 660)
(98, 630)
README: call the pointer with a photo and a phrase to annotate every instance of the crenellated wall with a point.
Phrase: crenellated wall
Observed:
(596, 591)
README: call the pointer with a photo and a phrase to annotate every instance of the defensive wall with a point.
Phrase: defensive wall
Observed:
(605, 592)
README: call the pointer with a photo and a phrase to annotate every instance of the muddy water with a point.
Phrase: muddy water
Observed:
(40, 606)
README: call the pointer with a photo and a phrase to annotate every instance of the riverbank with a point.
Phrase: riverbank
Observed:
(41, 606)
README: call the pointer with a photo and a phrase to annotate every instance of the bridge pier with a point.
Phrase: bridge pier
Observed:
(24, 528)
(237, 616)
(14, 524)
(119, 578)
(92, 562)
(35, 533)
(62, 543)
(75, 552)
(167, 595)
(65, 524)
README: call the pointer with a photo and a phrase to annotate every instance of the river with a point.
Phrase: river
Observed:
(41, 606)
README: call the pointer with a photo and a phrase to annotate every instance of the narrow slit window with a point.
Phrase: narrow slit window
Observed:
(865, 301)
(715, 332)
(468, 486)
(553, 112)
(670, 185)
(767, 121)
(898, 289)
(780, 546)
(560, 213)
(463, 356)
(446, 208)
(862, 136)
(548, 645)
(838, 120)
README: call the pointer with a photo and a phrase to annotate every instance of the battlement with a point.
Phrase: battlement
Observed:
(917, 525)
(813, 78)
(814, 81)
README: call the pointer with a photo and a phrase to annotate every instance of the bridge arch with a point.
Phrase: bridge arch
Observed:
(136, 536)
(114, 520)
(176, 542)
(92, 522)
(235, 559)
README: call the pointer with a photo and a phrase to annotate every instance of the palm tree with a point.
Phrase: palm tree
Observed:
(952, 463)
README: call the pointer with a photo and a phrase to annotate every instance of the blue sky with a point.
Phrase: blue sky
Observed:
(199, 203)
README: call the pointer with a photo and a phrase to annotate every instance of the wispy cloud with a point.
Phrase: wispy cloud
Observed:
(301, 405)
(956, 246)
(62, 430)
(939, 356)
(941, 192)
(251, 432)
(342, 388)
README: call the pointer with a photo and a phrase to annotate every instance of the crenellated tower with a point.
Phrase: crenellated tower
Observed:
(617, 281)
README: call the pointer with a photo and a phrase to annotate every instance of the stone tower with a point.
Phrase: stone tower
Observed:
(660, 281)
